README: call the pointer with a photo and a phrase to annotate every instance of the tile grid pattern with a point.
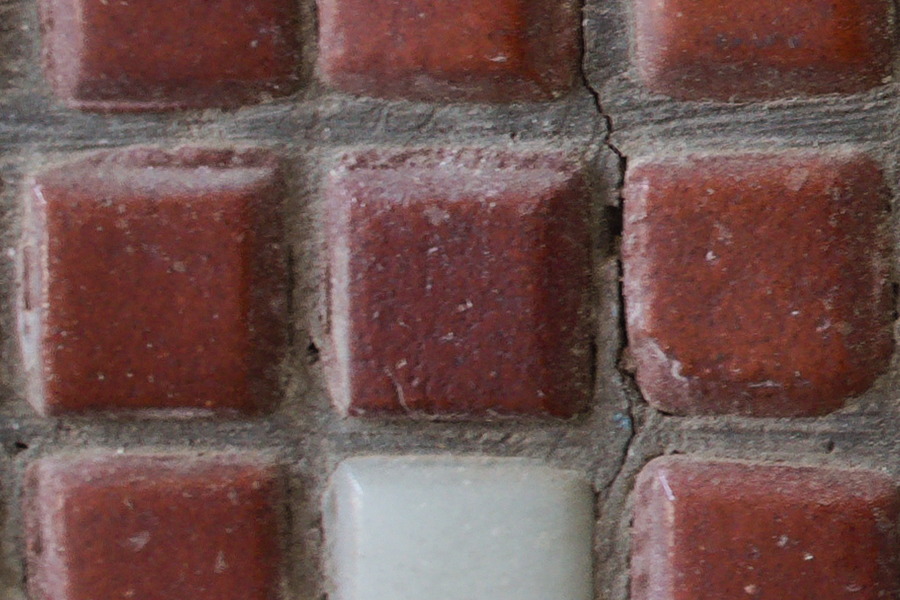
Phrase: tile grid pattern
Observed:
(649, 128)
(303, 432)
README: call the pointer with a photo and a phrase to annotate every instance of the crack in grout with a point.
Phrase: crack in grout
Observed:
(616, 489)
(622, 164)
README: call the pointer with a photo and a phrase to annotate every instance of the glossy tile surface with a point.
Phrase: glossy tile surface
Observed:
(162, 527)
(118, 55)
(460, 284)
(441, 528)
(433, 50)
(717, 530)
(757, 284)
(760, 50)
(154, 280)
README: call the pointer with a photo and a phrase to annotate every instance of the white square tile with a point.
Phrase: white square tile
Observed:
(443, 528)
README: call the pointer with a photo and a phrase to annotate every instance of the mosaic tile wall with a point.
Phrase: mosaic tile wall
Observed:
(454, 299)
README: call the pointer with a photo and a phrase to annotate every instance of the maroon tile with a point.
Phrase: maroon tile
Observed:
(499, 51)
(757, 285)
(154, 280)
(765, 49)
(162, 527)
(707, 530)
(123, 55)
(460, 284)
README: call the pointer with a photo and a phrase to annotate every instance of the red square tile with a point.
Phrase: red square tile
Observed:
(127, 55)
(154, 280)
(161, 527)
(757, 285)
(764, 49)
(460, 284)
(499, 51)
(706, 530)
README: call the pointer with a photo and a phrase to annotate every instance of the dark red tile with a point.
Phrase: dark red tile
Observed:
(706, 530)
(123, 55)
(162, 527)
(765, 49)
(499, 51)
(460, 284)
(154, 280)
(757, 285)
